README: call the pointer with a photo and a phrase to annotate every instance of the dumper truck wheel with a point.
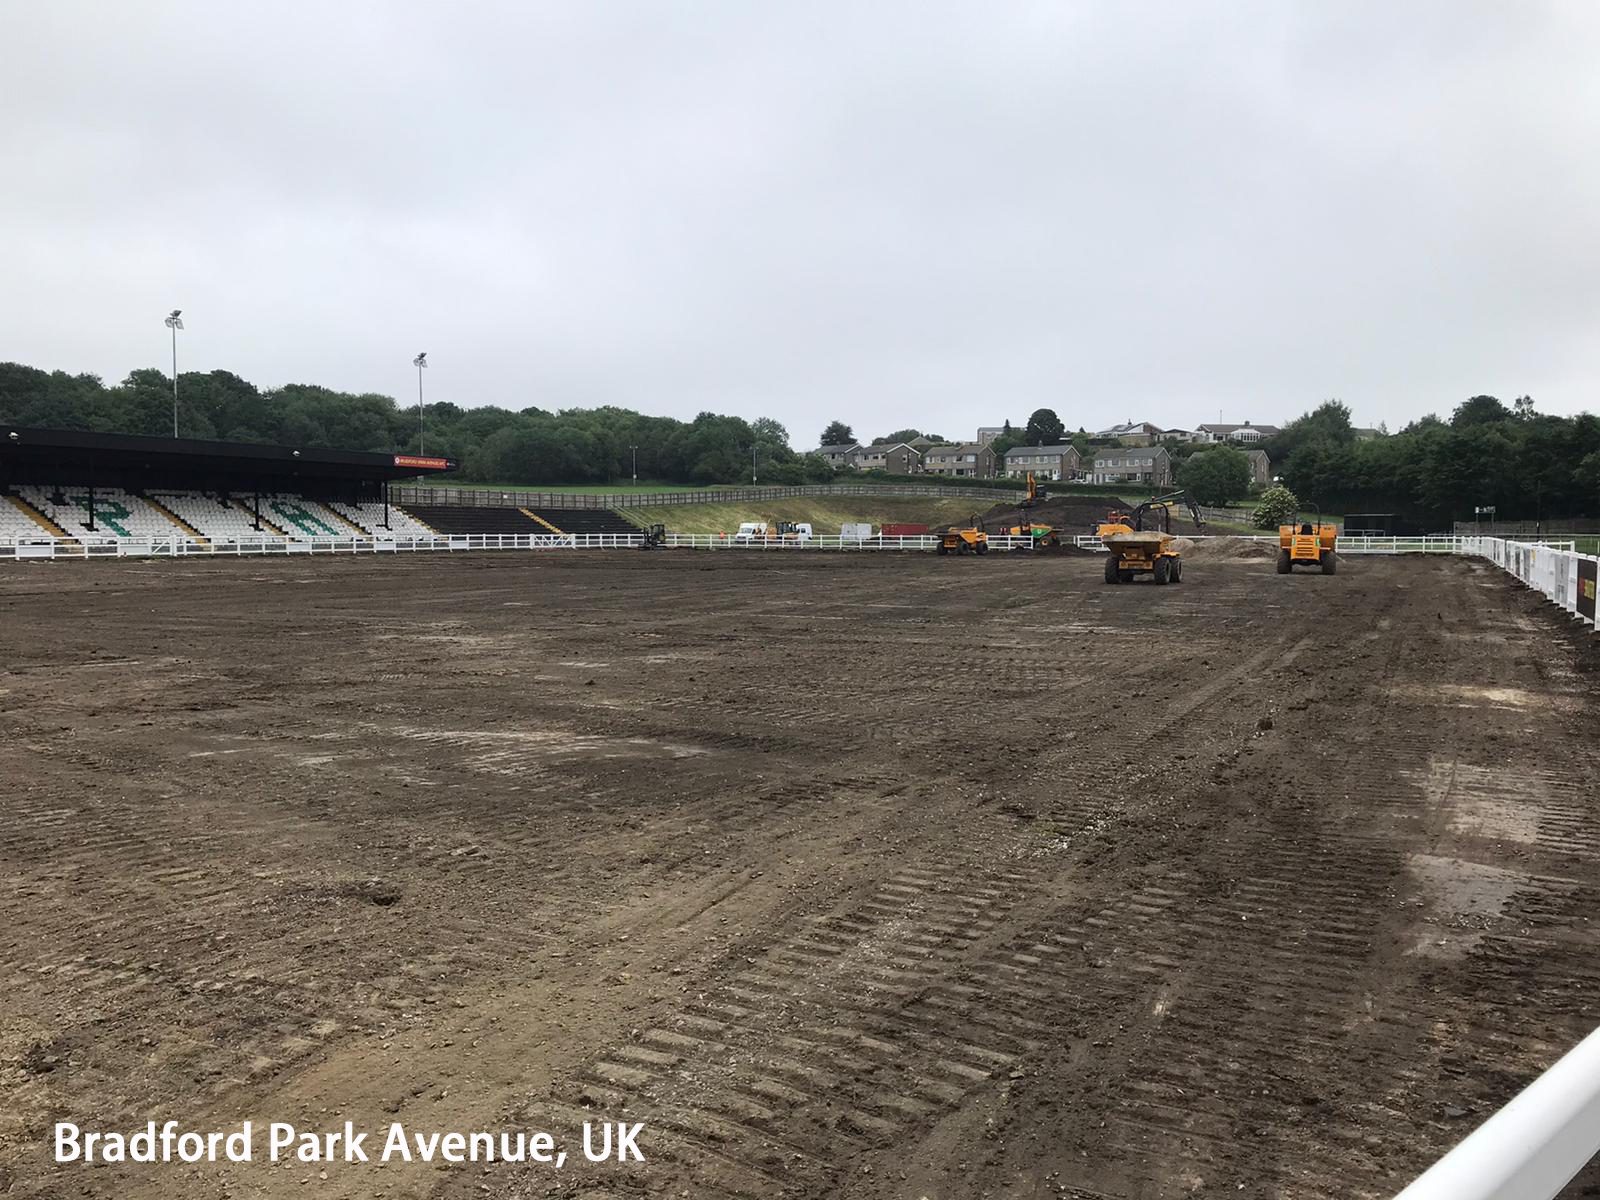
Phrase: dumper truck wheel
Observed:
(1177, 570)
(1330, 563)
(981, 548)
(1283, 562)
(1112, 574)
(943, 549)
(1163, 570)
(1124, 576)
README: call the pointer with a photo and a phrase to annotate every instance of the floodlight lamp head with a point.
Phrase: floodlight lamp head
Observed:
(420, 360)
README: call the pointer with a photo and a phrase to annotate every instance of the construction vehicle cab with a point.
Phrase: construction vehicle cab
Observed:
(1308, 544)
(654, 536)
(1142, 542)
(971, 540)
(1035, 495)
(1041, 537)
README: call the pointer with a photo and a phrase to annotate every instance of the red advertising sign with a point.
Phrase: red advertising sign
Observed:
(430, 464)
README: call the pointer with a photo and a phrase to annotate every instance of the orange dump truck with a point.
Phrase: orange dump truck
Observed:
(1308, 544)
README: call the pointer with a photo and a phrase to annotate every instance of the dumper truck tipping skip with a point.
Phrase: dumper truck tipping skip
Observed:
(1131, 549)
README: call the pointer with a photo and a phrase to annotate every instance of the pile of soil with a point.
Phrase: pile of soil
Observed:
(1072, 515)
(1230, 549)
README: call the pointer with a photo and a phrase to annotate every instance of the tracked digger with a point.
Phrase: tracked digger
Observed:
(1141, 542)
(1040, 537)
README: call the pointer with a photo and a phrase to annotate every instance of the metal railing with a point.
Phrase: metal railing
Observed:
(180, 547)
(1532, 1147)
(1561, 584)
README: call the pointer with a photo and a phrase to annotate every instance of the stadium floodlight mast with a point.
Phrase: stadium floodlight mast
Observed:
(635, 450)
(419, 362)
(175, 323)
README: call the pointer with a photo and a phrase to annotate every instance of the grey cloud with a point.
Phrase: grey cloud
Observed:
(899, 214)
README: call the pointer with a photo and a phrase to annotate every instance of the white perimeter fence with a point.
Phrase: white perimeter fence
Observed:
(181, 547)
(1567, 579)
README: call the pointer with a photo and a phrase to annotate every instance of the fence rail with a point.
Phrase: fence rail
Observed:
(181, 547)
(1531, 1148)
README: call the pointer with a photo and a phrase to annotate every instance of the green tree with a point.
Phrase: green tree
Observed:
(837, 434)
(1277, 506)
(1044, 428)
(1216, 476)
(1480, 410)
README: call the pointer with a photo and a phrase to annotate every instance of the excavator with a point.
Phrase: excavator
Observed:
(1041, 537)
(1132, 549)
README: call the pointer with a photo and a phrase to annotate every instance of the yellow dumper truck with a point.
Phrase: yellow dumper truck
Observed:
(1132, 549)
(1308, 544)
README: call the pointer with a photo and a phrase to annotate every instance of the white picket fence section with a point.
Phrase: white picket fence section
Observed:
(1560, 582)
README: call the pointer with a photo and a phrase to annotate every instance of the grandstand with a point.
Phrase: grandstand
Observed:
(95, 488)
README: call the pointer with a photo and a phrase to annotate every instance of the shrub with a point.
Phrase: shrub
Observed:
(1278, 506)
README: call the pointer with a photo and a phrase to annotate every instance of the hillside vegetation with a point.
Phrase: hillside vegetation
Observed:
(826, 513)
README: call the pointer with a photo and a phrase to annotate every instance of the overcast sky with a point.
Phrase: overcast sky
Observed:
(924, 214)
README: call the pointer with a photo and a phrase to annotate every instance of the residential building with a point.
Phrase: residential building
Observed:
(1260, 467)
(1046, 462)
(969, 459)
(1126, 464)
(1132, 433)
(897, 458)
(1367, 435)
(988, 433)
(840, 457)
(1176, 435)
(1244, 433)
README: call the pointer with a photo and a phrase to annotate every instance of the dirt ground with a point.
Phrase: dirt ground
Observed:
(858, 876)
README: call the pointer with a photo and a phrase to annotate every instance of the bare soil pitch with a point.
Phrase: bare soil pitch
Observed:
(851, 875)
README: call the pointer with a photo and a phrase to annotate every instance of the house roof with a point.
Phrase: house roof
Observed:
(1021, 451)
(960, 448)
(1131, 453)
(1264, 430)
(1129, 427)
(835, 449)
(885, 447)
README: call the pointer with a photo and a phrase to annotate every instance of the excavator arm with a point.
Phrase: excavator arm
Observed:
(1165, 503)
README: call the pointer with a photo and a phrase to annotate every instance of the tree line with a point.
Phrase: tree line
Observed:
(1525, 464)
(493, 444)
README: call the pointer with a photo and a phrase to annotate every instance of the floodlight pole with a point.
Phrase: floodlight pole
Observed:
(754, 446)
(419, 362)
(635, 450)
(175, 322)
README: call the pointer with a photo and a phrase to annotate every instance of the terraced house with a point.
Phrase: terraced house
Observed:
(970, 459)
(1132, 465)
(897, 458)
(1046, 462)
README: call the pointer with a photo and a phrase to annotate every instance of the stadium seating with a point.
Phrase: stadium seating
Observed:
(117, 514)
(585, 520)
(369, 516)
(16, 525)
(231, 518)
(218, 519)
(301, 518)
(453, 518)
